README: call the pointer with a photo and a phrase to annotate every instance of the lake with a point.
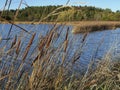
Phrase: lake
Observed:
(95, 46)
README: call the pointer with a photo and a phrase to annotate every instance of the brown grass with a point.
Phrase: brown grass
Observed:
(48, 74)
(90, 26)
(46, 71)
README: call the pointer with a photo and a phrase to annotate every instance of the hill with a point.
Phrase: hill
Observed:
(62, 13)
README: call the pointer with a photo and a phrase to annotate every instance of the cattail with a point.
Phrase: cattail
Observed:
(14, 41)
(0, 38)
(28, 47)
(84, 37)
(42, 43)
(49, 39)
(51, 34)
(66, 41)
(65, 46)
(18, 46)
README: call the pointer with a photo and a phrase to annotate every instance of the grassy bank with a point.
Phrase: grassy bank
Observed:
(90, 26)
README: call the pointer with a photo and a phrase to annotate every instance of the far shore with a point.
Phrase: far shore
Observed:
(66, 22)
(80, 26)
(22, 22)
(90, 26)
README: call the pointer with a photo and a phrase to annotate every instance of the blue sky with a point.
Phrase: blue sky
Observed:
(112, 4)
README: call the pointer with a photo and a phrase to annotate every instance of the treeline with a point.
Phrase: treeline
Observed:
(59, 13)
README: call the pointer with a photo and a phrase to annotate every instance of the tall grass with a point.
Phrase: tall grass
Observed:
(91, 26)
(46, 71)
(49, 73)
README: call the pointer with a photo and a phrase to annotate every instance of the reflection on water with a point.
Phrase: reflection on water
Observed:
(95, 47)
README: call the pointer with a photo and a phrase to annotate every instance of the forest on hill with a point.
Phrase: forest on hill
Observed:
(60, 13)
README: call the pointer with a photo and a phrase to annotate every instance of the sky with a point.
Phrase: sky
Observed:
(111, 4)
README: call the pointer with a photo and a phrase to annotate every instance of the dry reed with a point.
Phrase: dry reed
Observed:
(90, 26)
(47, 71)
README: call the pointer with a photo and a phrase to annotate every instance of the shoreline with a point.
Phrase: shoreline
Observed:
(80, 26)
(66, 22)
(30, 22)
(83, 27)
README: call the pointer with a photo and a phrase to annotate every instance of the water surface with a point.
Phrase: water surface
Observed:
(95, 47)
